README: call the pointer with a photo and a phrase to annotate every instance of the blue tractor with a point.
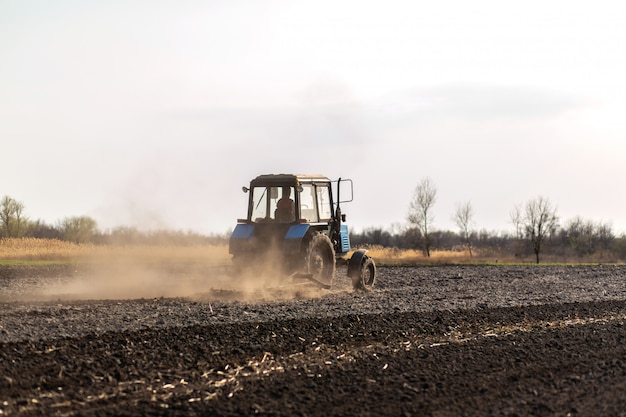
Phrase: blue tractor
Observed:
(297, 220)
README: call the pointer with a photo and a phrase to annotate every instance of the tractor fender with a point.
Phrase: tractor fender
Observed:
(239, 239)
(293, 238)
(356, 260)
(242, 231)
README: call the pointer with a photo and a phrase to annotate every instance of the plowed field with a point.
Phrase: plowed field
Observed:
(429, 341)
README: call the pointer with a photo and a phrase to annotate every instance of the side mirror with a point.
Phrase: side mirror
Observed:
(245, 189)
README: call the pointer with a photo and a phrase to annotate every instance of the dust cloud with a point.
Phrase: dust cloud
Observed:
(127, 278)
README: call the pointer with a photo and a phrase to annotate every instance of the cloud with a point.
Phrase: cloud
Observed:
(474, 102)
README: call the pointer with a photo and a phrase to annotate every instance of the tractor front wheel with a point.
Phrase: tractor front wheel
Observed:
(320, 259)
(364, 278)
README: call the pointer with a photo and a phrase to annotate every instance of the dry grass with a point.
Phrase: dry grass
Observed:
(38, 250)
(30, 250)
(52, 250)
(394, 256)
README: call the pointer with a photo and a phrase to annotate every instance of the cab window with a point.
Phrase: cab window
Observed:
(323, 201)
(272, 204)
(308, 206)
(315, 203)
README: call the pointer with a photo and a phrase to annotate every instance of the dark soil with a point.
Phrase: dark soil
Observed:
(440, 341)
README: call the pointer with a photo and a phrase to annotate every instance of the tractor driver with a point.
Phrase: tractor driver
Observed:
(285, 207)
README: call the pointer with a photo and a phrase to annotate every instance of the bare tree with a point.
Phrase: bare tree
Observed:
(540, 220)
(12, 221)
(420, 210)
(518, 221)
(586, 237)
(78, 229)
(464, 219)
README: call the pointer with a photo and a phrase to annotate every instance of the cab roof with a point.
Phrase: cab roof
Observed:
(287, 179)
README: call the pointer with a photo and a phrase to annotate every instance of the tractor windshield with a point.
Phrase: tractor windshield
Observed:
(272, 204)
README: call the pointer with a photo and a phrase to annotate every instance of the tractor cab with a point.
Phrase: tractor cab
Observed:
(290, 199)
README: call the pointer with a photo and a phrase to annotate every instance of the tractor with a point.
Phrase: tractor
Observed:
(296, 220)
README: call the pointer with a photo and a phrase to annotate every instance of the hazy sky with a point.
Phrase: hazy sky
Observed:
(155, 113)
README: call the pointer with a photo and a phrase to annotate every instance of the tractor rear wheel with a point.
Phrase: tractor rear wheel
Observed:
(319, 260)
(365, 277)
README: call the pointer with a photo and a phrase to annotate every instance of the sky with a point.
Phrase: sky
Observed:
(154, 114)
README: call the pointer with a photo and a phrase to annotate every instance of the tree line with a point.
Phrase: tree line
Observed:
(536, 231)
(84, 229)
